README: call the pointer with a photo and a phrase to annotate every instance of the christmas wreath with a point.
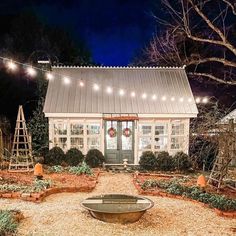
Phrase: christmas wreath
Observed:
(112, 132)
(127, 132)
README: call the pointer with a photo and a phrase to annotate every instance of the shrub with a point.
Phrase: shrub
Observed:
(56, 169)
(55, 156)
(8, 223)
(148, 161)
(182, 161)
(41, 184)
(74, 157)
(94, 158)
(82, 169)
(164, 161)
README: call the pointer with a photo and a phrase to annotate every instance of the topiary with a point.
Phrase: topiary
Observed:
(164, 161)
(55, 156)
(74, 157)
(182, 161)
(94, 158)
(148, 161)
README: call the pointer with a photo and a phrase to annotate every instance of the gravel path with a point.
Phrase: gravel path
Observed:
(61, 214)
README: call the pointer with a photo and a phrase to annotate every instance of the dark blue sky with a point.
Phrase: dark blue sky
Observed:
(114, 30)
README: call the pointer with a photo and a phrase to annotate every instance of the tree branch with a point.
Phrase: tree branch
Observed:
(231, 6)
(212, 77)
(211, 59)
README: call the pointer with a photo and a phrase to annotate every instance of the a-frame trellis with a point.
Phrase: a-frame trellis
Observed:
(21, 154)
(227, 151)
(1, 146)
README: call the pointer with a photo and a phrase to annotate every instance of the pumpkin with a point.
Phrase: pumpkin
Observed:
(38, 170)
(201, 181)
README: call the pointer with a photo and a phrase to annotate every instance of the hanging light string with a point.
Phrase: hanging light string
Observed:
(31, 71)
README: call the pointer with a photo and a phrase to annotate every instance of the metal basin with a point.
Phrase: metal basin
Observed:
(117, 208)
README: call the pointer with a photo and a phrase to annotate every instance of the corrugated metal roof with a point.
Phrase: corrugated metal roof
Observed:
(71, 98)
(231, 115)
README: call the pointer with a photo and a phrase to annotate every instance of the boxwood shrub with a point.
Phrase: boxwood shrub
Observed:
(182, 161)
(74, 157)
(94, 158)
(55, 156)
(164, 161)
(148, 161)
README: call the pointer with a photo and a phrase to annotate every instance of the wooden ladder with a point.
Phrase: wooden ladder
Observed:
(21, 155)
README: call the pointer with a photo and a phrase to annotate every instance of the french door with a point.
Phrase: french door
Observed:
(119, 141)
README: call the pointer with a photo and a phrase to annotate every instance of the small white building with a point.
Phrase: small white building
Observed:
(121, 111)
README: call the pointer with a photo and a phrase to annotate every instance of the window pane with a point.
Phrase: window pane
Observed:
(111, 141)
(77, 129)
(144, 143)
(145, 129)
(177, 129)
(77, 143)
(60, 142)
(60, 129)
(161, 129)
(94, 143)
(161, 144)
(127, 141)
(93, 129)
(177, 142)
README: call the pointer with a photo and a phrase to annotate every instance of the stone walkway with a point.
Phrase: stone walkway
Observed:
(61, 214)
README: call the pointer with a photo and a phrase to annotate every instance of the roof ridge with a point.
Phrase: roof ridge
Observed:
(119, 67)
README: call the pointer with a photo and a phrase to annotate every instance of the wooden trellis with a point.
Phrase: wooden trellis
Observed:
(227, 151)
(1, 147)
(21, 155)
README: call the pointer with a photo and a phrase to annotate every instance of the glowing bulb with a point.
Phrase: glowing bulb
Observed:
(81, 84)
(49, 76)
(190, 100)
(198, 100)
(121, 92)
(181, 99)
(163, 98)
(205, 100)
(31, 71)
(132, 94)
(144, 96)
(66, 80)
(154, 97)
(172, 99)
(109, 90)
(96, 87)
(11, 65)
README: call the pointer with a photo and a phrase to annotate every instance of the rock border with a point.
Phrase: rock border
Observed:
(38, 197)
(229, 214)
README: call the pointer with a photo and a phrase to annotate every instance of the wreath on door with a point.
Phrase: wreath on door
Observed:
(112, 132)
(127, 132)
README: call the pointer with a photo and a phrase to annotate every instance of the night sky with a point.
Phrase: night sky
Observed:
(114, 30)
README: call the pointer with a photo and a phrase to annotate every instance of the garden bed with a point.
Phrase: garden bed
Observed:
(25, 187)
(184, 187)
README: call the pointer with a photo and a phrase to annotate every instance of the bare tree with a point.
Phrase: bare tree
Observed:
(200, 34)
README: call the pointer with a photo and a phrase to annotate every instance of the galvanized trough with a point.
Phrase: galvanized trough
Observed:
(117, 208)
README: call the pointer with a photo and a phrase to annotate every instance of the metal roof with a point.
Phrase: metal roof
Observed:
(231, 115)
(72, 98)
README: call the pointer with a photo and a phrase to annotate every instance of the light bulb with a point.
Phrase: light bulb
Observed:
(31, 71)
(49, 76)
(132, 94)
(121, 92)
(144, 96)
(11, 65)
(96, 87)
(154, 97)
(109, 90)
(66, 80)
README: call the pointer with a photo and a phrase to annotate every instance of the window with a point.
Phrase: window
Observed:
(145, 143)
(60, 129)
(93, 129)
(93, 136)
(77, 129)
(127, 141)
(77, 143)
(177, 142)
(94, 143)
(111, 141)
(60, 142)
(161, 136)
(177, 135)
(177, 129)
(145, 129)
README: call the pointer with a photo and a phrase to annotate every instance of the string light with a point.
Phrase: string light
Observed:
(11, 65)
(66, 80)
(31, 71)
(121, 92)
(96, 87)
(154, 97)
(132, 94)
(205, 100)
(163, 98)
(81, 84)
(109, 90)
(144, 96)
(49, 76)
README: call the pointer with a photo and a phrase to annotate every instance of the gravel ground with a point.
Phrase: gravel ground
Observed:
(61, 214)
